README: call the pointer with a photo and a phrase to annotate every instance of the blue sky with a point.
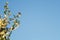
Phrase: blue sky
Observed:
(40, 19)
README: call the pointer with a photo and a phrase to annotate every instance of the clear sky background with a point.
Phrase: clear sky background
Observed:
(40, 19)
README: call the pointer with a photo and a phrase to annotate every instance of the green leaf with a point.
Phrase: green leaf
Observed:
(14, 16)
(4, 12)
(19, 13)
(11, 19)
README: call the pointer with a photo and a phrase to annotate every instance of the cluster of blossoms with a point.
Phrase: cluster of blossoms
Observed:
(14, 22)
